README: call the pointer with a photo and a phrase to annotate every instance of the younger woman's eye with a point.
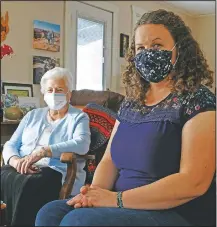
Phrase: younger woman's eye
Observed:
(140, 48)
(157, 46)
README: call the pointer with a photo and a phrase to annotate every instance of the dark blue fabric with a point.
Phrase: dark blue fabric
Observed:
(147, 145)
(58, 213)
(153, 65)
(147, 154)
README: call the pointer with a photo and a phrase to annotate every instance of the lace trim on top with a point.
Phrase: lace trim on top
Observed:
(175, 108)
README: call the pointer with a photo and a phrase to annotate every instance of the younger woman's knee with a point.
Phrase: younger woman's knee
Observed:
(81, 217)
(47, 213)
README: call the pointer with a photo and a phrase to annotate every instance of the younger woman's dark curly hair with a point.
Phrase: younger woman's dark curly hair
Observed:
(191, 69)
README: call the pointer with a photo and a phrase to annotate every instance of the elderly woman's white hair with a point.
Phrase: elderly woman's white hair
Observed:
(57, 73)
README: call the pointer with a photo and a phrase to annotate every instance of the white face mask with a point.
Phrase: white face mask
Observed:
(55, 101)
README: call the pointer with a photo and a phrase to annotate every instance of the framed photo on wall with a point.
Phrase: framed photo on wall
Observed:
(21, 90)
(46, 36)
(41, 65)
(124, 44)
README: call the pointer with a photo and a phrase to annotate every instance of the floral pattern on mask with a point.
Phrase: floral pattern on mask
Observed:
(153, 65)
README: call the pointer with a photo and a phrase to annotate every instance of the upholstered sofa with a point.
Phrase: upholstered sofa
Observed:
(107, 99)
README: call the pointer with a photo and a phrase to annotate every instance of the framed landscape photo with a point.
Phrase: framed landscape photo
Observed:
(41, 65)
(20, 90)
(46, 36)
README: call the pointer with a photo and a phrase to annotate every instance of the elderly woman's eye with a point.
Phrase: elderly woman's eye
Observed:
(60, 90)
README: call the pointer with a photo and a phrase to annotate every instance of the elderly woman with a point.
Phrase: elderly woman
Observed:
(159, 166)
(32, 155)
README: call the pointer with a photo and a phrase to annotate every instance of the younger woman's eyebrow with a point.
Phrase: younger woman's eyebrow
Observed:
(141, 44)
(156, 39)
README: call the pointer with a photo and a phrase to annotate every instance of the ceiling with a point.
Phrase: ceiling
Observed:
(194, 8)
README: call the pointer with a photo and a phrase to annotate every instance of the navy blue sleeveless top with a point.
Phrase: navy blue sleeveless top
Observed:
(147, 144)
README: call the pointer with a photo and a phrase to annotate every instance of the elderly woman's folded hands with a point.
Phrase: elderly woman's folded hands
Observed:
(26, 165)
(17, 163)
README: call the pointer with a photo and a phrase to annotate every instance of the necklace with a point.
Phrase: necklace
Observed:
(56, 120)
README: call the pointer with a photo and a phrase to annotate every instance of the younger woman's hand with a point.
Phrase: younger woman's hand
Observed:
(99, 197)
(80, 200)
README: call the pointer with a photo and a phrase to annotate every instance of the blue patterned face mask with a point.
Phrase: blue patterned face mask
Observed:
(154, 65)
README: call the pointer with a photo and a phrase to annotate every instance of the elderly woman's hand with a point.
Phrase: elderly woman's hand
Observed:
(17, 162)
(35, 156)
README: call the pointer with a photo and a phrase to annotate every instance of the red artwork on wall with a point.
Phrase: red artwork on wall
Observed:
(6, 50)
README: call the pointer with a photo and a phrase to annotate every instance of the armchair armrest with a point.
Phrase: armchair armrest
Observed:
(70, 159)
(67, 157)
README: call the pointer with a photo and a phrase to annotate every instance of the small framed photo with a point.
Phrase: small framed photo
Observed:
(46, 36)
(124, 44)
(20, 90)
(41, 65)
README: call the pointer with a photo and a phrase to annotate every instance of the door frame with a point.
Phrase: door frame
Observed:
(69, 46)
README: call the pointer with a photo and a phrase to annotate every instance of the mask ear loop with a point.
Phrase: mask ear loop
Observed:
(174, 46)
(68, 103)
(177, 56)
(66, 94)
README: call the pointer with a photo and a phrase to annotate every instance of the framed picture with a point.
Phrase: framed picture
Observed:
(28, 103)
(20, 90)
(46, 36)
(41, 65)
(124, 44)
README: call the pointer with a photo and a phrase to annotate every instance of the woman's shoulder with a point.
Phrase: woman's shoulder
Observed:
(196, 102)
(129, 111)
(76, 113)
(202, 94)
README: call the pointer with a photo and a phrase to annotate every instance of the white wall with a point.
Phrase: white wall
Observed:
(19, 68)
(22, 14)
(205, 33)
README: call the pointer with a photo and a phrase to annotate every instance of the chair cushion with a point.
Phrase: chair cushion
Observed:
(102, 121)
